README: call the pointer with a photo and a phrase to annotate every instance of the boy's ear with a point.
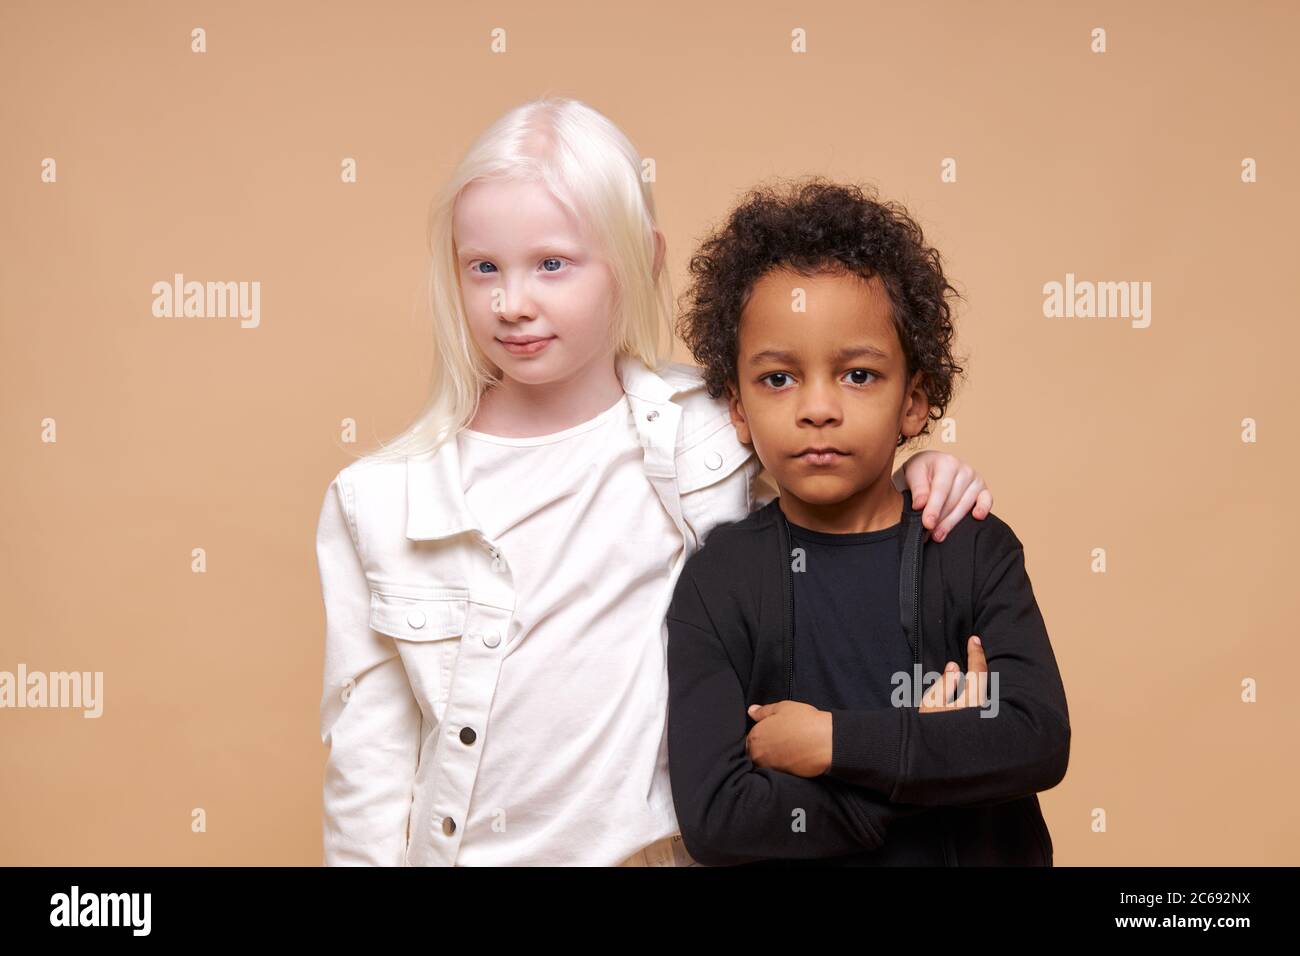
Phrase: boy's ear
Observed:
(738, 414)
(661, 253)
(916, 408)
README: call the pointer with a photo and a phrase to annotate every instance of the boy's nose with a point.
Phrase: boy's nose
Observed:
(820, 406)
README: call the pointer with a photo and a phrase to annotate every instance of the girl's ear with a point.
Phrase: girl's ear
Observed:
(661, 253)
(738, 414)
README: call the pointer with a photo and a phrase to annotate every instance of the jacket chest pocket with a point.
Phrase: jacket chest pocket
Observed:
(427, 631)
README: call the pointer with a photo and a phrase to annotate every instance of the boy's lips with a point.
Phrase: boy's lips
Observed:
(822, 455)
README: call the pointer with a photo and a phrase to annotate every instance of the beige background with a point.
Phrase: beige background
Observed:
(177, 434)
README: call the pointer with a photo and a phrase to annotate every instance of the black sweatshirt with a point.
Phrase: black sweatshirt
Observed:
(849, 643)
(964, 780)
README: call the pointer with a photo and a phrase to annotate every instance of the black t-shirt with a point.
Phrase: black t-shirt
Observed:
(848, 644)
(848, 637)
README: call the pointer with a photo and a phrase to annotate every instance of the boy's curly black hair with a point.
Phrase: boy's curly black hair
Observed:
(813, 225)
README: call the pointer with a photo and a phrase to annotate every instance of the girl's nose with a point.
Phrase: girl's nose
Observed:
(513, 303)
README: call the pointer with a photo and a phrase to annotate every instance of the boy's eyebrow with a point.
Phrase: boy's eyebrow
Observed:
(789, 358)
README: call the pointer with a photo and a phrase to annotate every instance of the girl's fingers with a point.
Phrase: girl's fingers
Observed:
(960, 510)
(920, 490)
(983, 504)
(940, 484)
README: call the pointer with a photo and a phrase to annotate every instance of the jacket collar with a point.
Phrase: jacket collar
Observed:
(641, 382)
(435, 498)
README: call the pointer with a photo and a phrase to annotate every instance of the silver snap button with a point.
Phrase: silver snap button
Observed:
(416, 618)
(713, 460)
(492, 639)
(652, 416)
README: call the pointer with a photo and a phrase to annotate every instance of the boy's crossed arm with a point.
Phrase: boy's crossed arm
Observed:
(731, 811)
(955, 757)
(799, 738)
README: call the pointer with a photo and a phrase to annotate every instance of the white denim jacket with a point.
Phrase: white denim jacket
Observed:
(416, 612)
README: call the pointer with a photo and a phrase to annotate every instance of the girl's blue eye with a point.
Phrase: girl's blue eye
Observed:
(475, 267)
(558, 263)
(862, 371)
(774, 375)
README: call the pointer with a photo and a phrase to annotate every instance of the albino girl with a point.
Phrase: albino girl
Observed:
(495, 580)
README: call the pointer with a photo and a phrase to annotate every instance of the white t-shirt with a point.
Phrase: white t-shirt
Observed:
(574, 769)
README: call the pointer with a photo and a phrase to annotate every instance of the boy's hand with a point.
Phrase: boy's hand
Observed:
(797, 738)
(946, 488)
(939, 696)
(791, 736)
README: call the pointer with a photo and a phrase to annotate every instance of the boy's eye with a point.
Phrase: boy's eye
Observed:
(858, 376)
(558, 264)
(474, 267)
(776, 379)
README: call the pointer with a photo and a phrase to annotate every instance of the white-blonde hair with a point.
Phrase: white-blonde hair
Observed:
(590, 167)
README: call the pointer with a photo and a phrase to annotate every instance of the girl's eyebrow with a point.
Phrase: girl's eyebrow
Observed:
(546, 245)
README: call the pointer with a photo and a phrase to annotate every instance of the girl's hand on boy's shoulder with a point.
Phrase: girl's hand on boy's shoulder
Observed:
(790, 736)
(946, 487)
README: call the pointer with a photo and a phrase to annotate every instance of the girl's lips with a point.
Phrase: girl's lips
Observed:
(527, 348)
